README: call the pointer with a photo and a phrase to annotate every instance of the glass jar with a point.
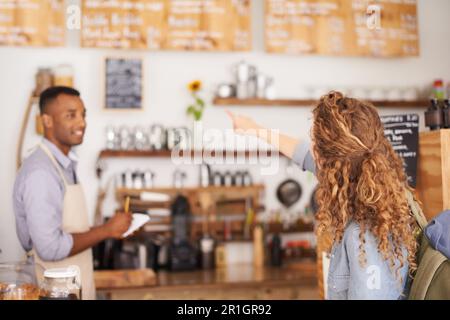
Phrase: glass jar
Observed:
(63, 75)
(18, 281)
(61, 284)
(44, 80)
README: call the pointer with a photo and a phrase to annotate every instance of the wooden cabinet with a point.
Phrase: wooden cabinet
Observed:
(433, 171)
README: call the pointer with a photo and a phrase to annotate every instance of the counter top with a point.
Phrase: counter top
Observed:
(232, 276)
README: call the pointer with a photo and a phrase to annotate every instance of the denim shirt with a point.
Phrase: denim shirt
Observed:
(347, 279)
(38, 198)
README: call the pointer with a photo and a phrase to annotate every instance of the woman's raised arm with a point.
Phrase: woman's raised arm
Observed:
(247, 126)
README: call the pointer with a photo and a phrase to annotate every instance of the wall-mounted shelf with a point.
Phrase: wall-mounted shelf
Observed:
(230, 199)
(168, 153)
(220, 191)
(220, 201)
(309, 103)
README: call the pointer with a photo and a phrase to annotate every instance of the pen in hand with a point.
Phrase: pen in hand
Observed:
(127, 204)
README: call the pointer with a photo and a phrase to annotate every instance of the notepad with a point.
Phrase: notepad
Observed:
(139, 219)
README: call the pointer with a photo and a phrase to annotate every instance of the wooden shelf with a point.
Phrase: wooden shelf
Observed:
(263, 102)
(238, 190)
(133, 153)
(309, 103)
(225, 197)
(168, 153)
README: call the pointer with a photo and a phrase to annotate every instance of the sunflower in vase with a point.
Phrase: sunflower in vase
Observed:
(196, 108)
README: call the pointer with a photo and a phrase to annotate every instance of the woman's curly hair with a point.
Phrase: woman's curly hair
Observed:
(361, 178)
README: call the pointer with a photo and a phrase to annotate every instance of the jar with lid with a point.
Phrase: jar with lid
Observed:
(18, 281)
(112, 138)
(63, 75)
(61, 284)
(44, 80)
(207, 252)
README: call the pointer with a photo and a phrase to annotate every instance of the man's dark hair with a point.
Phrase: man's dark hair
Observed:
(50, 94)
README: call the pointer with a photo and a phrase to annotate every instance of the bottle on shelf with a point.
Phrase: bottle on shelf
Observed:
(258, 246)
(433, 116)
(276, 250)
(446, 114)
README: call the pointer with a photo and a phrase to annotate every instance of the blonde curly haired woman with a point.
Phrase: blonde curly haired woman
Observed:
(361, 197)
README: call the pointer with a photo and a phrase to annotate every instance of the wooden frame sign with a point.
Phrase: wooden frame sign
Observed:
(123, 83)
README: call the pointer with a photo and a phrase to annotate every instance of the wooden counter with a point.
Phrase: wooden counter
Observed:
(235, 282)
(433, 174)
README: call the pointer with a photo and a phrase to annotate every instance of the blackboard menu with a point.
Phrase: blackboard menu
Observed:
(342, 27)
(123, 83)
(402, 131)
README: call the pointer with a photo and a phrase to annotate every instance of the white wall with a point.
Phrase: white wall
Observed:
(167, 75)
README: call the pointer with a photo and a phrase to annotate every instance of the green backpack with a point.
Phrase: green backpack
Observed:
(432, 278)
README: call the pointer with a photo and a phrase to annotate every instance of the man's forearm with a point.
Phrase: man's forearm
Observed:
(85, 240)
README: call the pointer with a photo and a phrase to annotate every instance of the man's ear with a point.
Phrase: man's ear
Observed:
(47, 121)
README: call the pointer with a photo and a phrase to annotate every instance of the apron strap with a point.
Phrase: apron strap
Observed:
(57, 166)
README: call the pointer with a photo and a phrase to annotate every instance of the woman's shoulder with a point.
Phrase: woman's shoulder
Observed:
(352, 236)
(352, 231)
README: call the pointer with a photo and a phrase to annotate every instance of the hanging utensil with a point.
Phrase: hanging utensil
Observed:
(289, 191)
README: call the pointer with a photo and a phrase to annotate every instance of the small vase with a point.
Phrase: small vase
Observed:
(196, 134)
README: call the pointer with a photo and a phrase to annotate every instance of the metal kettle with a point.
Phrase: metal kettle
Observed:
(243, 71)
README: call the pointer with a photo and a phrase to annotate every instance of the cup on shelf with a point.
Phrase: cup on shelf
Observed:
(410, 94)
(377, 94)
(140, 138)
(112, 138)
(394, 94)
(126, 139)
(138, 180)
(148, 179)
(360, 93)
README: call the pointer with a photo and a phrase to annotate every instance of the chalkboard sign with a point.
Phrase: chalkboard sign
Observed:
(402, 131)
(123, 83)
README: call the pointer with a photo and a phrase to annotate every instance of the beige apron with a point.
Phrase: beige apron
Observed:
(75, 220)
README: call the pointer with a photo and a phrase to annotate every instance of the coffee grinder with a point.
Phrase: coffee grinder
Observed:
(182, 254)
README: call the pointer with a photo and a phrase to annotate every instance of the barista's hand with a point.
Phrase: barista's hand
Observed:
(118, 224)
(243, 125)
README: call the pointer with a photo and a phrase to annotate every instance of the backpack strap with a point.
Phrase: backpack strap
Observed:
(416, 210)
(429, 264)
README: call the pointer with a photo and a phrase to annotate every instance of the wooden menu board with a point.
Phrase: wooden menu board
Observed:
(210, 25)
(32, 22)
(339, 27)
(137, 24)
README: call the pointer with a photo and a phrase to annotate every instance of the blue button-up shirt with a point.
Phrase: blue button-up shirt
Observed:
(346, 278)
(38, 203)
